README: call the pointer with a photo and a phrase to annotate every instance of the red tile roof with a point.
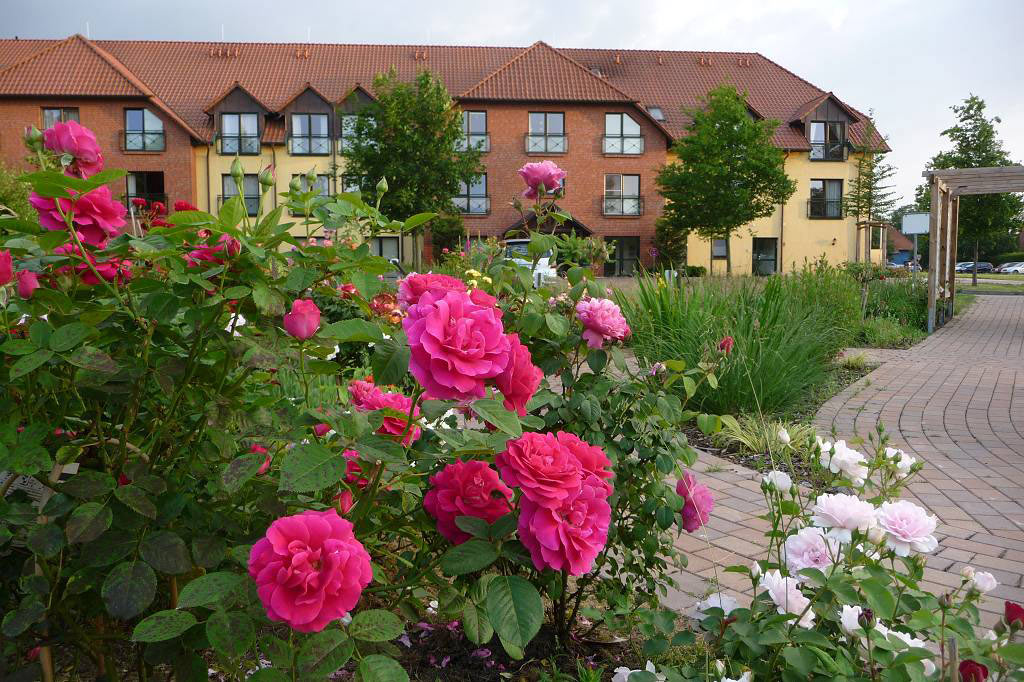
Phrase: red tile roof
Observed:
(185, 75)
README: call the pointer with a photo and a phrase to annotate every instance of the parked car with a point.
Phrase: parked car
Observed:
(969, 267)
(1013, 267)
(517, 251)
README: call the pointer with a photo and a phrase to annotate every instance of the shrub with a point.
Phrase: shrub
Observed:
(1010, 257)
(903, 299)
(13, 194)
(888, 332)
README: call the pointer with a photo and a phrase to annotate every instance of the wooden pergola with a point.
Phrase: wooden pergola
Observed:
(947, 186)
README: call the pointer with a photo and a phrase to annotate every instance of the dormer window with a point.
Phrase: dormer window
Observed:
(828, 140)
(239, 134)
(310, 135)
(622, 135)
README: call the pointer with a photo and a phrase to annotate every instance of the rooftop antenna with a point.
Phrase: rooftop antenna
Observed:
(222, 32)
(88, 33)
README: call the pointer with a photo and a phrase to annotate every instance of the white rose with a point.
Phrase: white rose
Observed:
(984, 582)
(779, 480)
(784, 436)
(716, 600)
(967, 572)
(786, 594)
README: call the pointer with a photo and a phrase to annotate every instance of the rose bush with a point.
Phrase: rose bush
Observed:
(200, 477)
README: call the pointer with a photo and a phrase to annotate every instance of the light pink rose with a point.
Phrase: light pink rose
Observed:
(95, 215)
(907, 527)
(568, 537)
(521, 377)
(466, 489)
(546, 471)
(28, 282)
(602, 321)
(545, 173)
(593, 461)
(393, 426)
(842, 514)
(785, 592)
(309, 569)
(412, 287)
(698, 502)
(810, 548)
(78, 141)
(455, 345)
(6, 267)
(304, 319)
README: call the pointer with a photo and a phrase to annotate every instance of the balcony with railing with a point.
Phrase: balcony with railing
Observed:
(309, 145)
(622, 206)
(252, 202)
(143, 141)
(825, 208)
(472, 204)
(239, 144)
(478, 141)
(622, 145)
(829, 151)
(546, 144)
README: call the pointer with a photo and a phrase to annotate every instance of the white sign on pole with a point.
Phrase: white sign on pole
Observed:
(915, 223)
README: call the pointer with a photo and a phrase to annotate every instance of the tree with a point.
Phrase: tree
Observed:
(728, 171)
(870, 197)
(985, 220)
(410, 136)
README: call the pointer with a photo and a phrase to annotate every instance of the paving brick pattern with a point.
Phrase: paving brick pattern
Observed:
(955, 401)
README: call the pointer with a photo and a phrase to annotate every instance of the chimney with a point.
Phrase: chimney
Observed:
(618, 59)
(660, 60)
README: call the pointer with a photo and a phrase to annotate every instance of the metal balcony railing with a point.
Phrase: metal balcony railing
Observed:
(829, 151)
(546, 144)
(825, 208)
(472, 204)
(624, 206)
(143, 141)
(239, 144)
(623, 144)
(309, 145)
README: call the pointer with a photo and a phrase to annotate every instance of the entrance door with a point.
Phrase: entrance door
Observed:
(766, 256)
(624, 258)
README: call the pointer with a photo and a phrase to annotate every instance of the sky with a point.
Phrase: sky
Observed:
(906, 60)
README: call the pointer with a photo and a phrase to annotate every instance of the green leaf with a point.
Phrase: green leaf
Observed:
(476, 625)
(18, 347)
(352, 331)
(165, 551)
(88, 483)
(268, 301)
(88, 522)
(93, 359)
(311, 467)
(208, 589)
(368, 286)
(268, 675)
(208, 551)
(240, 470)
(709, 423)
(163, 625)
(1014, 653)
(802, 660)
(558, 325)
(27, 363)
(378, 668)
(136, 498)
(325, 653)
(29, 612)
(375, 625)
(475, 526)
(502, 527)
(515, 610)
(879, 598)
(494, 412)
(69, 336)
(231, 212)
(45, 540)
(299, 279)
(128, 589)
(161, 306)
(374, 448)
(470, 556)
(230, 633)
(390, 360)
(108, 548)
(418, 219)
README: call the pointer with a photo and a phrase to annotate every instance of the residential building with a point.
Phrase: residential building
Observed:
(176, 114)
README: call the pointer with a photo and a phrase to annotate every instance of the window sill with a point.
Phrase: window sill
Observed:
(546, 153)
(475, 215)
(826, 217)
(138, 152)
(622, 215)
(621, 154)
(306, 154)
(827, 160)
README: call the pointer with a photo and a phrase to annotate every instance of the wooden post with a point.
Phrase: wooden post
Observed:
(954, 212)
(867, 243)
(940, 310)
(933, 253)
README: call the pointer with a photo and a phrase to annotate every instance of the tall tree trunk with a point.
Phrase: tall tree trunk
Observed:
(974, 279)
(728, 255)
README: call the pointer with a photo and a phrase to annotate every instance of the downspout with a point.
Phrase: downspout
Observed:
(273, 160)
(209, 206)
(782, 220)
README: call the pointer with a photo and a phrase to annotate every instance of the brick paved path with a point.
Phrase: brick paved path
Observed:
(955, 401)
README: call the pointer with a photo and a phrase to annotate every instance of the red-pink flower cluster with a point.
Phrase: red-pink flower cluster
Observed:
(367, 397)
(466, 489)
(602, 321)
(563, 508)
(411, 288)
(78, 141)
(117, 270)
(309, 569)
(353, 472)
(698, 501)
(215, 254)
(95, 215)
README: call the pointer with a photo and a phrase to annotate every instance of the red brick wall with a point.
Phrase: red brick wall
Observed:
(584, 163)
(106, 118)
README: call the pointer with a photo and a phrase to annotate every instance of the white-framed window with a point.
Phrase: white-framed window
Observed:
(143, 131)
(239, 134)
(472, 198)
(622, 135)
(546, 133)
(310, 135)
(622, 195)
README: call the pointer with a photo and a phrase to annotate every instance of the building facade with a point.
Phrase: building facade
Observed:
(176, 114)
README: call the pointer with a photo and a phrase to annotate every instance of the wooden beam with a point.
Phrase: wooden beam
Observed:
(933, 251)
(954, 210)
(945, 173)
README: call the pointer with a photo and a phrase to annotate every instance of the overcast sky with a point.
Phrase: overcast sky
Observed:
(908, 60)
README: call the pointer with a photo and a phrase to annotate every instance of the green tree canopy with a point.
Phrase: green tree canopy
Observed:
(728, 171)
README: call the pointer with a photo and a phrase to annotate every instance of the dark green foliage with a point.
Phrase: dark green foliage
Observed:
(1009, 257)
(869, 197)
(447, 232)
(14, 194)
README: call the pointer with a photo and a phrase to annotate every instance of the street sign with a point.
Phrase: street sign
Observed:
(915, 223)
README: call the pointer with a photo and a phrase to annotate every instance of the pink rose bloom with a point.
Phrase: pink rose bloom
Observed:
(353, 470)
(592, 459)
(570, 536)
(455, 345)
(393, 426)
(907, 527)
(309, 569)
(181, 205)
(481, 297)
(810, 548)
(96, 216)
(546, 471)
(466, 489)
(726, 344)
(788, 598)
(78, 141)
(521, 377)
(698, 501)
(545, 173)
(344, 500)
(842, 514)
(412, 287)
(304, 319)
(602, 321)
(28, 282)
(363, 392)
(6, 267)
(260, 450)
(113, 270)
(321, 430)
(226, 247)
(348, 290)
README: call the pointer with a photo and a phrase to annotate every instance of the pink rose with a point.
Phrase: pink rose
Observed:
(226, 247)
(181, 205)
(113, 270)
(481, 297)
(545, 173)
(602, 321)
(309, 569)
(78, 141)
(6, 267)
(412, 287)
(698, 501)
(353, 470)
(28, 282)
(546, 471)
(321, 430)
(260, 450)
(570, 536)
(304, 319)
(348, 290)
(907, 527)
(521, 377)
(455, 345)
(363, 392)
(592, 459)
(344, 500)
(810, 548)
(95, 215)
(466, 489)
(394, 426)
